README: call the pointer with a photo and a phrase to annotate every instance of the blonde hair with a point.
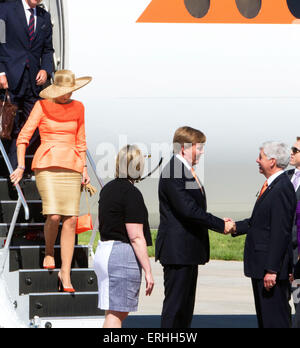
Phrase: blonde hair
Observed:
(186, 137)
(130, 163)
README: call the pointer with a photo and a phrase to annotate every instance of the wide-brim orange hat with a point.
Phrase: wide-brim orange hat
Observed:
(64, 83)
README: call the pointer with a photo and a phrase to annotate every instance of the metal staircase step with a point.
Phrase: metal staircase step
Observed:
(44, 281)
(21, 226)
(64, 305)
(7, 208)
(33, 289)
(33, 230)
(28, 233)
(31, 257)
(90, 322)
(28, 186)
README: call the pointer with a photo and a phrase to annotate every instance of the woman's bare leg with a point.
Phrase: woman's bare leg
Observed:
(67, 243)
(50, 232)
(114, 319)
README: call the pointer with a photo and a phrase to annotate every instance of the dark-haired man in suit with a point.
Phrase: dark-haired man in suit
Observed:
(268, 246)
(294, 175)
(182, 241)
(26, 59)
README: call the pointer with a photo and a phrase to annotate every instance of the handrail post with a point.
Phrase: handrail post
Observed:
(94, 232)
(93, 165)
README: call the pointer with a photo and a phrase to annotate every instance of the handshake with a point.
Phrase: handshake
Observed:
(230, 226)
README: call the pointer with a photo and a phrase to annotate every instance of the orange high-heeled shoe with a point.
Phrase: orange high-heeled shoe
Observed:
(49, 267)
(61, 286)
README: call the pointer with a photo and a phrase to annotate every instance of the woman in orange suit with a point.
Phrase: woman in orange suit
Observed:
(59, 165)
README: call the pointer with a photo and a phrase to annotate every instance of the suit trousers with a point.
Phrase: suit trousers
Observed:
(296, 289)
(272, 307)
(180, 283)
(25, 97)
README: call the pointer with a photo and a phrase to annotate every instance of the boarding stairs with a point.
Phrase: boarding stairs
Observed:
(33, 291)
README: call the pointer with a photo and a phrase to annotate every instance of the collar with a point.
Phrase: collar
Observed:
(274, 176)
(27, 7)
(184, 161)
(297, 170)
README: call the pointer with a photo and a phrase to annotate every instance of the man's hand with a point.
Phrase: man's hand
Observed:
(230, 226)
(3, 82)
(41, 77)
(270, 281)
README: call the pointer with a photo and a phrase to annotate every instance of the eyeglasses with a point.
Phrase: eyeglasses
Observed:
(295, 150)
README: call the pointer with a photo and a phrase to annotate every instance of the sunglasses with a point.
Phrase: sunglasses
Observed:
(295, 150)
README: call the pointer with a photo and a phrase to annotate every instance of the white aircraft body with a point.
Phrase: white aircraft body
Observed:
(238, 83)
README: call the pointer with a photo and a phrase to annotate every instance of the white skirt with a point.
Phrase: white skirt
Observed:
(119, 276)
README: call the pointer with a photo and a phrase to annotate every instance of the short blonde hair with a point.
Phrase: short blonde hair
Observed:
(130, 163)
(186, 137)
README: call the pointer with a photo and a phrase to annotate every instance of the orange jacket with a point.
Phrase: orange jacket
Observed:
(61, 127)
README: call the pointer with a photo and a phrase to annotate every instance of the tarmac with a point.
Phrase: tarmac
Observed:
(224, 298)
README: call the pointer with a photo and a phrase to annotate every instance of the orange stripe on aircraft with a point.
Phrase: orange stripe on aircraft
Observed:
(220, 11)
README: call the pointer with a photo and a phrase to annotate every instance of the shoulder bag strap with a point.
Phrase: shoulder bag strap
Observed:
(87, 201)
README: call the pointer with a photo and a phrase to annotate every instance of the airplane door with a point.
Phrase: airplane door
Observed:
(56, 9)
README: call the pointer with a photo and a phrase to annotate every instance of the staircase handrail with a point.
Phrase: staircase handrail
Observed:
(21, 201)
(18, 188)
(95, 229)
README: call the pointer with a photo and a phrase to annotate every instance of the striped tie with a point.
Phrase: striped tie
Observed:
(31, 25)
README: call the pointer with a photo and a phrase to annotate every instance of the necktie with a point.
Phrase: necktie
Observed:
(296, 180)
(31, 25)
(197, 179)
(263, 189)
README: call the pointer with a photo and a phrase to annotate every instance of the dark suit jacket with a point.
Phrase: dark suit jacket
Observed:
(290, 174)
(268, 244)
(17, 49)
(183, 231)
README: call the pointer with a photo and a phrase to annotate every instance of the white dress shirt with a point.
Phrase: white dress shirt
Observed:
(28, 14)
(184, 161)
(274, 176)
(188, 166)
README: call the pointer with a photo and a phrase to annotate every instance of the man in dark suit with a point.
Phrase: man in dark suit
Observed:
(26, 59)
(182, 241)
(268, 248)
(294, 175)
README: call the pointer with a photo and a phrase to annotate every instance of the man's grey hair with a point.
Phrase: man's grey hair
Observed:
(279, 151)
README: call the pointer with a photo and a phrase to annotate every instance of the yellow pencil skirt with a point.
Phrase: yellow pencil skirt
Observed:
(59, 189)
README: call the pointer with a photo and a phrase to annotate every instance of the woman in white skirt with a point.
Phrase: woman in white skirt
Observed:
(125, 234)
